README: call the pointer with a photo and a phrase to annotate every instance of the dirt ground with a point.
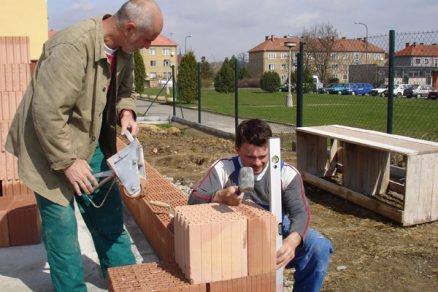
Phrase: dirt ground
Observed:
(371, 253)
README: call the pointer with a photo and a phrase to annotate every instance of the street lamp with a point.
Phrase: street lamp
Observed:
(185, 43)
(366, 40)
(289, 45)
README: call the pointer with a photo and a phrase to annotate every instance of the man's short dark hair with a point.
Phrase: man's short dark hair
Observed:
(253, 131)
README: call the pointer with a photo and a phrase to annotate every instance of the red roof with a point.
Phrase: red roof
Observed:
(340, 45)
(275, 44)
(163, 41)
(418, 50)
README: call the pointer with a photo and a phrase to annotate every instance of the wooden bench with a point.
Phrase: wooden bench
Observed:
(364, 158)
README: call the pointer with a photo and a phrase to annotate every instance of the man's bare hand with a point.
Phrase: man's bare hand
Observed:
(286, 253)
(81, 177)
(128, 122)
(228, 196)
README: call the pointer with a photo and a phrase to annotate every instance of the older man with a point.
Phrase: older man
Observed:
(65, 127)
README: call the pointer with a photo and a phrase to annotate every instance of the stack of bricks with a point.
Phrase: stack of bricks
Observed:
(154, 221)
(225, 248)
(162, 277)
(19, 220)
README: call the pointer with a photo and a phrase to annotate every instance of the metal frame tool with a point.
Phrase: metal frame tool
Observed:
(127, 167)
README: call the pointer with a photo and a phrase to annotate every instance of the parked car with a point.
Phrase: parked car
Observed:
(358, 89)
(409, 92)
(339, 88)
(285, 88)
(379, 91)
(433, 94)
(419, 91)
(398, 90)
(326, 88)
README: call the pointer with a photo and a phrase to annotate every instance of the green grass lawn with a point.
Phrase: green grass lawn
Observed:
(412, 117)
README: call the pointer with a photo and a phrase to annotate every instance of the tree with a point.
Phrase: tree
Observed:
(270, 81)
(206, 73)
(320, 41)
(224, 80)
(242, 72)
(139, 72)
(187, 84)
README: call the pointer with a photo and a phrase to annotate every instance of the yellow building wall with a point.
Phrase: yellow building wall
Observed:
(25, 18)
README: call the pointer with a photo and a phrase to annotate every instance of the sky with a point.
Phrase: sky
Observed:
(223, 28)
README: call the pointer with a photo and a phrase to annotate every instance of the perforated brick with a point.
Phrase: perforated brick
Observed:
(262, 230)
(164, 277)
(210, 242)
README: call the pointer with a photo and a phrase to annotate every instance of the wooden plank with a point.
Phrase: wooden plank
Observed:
(365, 170)
(311, 153)
(330, 167)
(354, 197)
(413, 185)
(373, 139)
(434, 205)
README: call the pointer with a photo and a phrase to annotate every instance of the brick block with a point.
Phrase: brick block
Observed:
(5, 203)
(255, 283)
(262, 230)
(162, 276)
(210, 242)
(24, 221)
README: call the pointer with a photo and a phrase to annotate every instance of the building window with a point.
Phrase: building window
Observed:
(283, 67)
(345, 77)
(152, 75)
(426, 61)
(152, 51)
(435, 62)
(167, 51)
(284, 55)
(153, 63)
(417, 61)
(378, 57)
(271, 56)
(283, 77)
(167, 75)
(346, 55)
(166, 63)
(334, 56)
(271, 67)
(335, 67)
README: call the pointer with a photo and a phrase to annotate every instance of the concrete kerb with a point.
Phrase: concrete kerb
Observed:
(205, 129)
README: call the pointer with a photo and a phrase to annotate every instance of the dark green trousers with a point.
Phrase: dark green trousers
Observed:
(60, 233)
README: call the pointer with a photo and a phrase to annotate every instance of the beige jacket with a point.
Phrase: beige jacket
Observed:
(60, 116)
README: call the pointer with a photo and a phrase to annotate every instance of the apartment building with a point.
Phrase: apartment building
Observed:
(272, 55)
(26, 18)
(327, 63)
(158, 60)
(416, 64)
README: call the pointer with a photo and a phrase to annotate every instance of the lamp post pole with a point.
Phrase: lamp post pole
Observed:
(185, 43)
(366, 40)
(289, 101)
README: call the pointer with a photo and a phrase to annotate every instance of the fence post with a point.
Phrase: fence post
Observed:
(390, 82)
(199, 93)
(174, 90)
(300, 80)
(236, 97)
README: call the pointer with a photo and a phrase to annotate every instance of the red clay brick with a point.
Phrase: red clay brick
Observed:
(23, 221)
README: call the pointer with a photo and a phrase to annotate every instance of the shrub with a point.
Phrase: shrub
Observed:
(187, 82)
(270, 81)
(139, 72)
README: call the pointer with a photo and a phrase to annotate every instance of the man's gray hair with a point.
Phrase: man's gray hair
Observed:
(137, 11)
